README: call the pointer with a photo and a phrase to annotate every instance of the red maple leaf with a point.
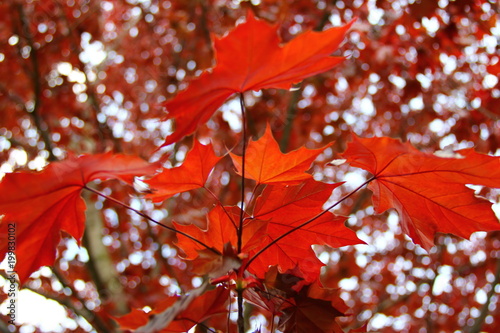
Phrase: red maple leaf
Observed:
(287, 207)
(251, 58)
(221, 229)
(266, 164)
(315, 310)
(192, 174)
(43, 204)
(428, 191)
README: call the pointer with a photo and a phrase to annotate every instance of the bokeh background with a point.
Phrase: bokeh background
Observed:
(88, 76)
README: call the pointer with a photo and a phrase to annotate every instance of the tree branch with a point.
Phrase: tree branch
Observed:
(41, 126)
(292, 106)
(478, 324)
(96, 322)
(100, 263)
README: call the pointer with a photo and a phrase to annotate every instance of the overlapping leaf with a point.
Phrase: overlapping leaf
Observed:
(182, 316)
(45, 203)
(251, 58)
(192, 174)
(276, 289)
(221, 230)
(266, 164)
(287, 207)
(428, 192)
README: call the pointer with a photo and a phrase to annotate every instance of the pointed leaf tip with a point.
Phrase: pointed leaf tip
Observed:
(42, 204)
(192, 174)
(251, 57)
(429, 192)
(266, 164)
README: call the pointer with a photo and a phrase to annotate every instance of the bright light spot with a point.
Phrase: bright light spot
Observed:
(13, 40)
(77, 76)
(442, 282)
(327, 130)
(397, 81)
(180, 74)
(196, 281)
(349, 284)
(79, 88)
(257, 322)
(324, 257)
(378, 321)
(133, 32)
(361, 261)
(338, 161)
(107, 6)
(341, 84)
(18, 157)
(375, 15)
(437, 125)
(431, 24)
(400, 30)
(448, 140)
(353, 179)
(491, 43)
(64, 68)
(72, 249)
(490, 81)
(484, 132)
(79, 285)
(416, 103)
(118, 130)
(478, 257)
(496, 209)
(83, 255)
(381, 241)
(135, 258)
(335, 20)
(393, 221)
(38, 163)
(93, 53)
(231, 114)
(367, 107)
(424, 81)
(349, 118)
(481, 296)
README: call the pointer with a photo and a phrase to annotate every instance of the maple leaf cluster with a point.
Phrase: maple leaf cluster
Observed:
(259, 250)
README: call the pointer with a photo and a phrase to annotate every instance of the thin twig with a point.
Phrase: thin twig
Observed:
(147, 217)
(241, 321)
(89, 316)
(242, 213)
(62, 280)
(253, 192)
(241, 318)
(223, 208)
(300, 226)
(83, 312)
